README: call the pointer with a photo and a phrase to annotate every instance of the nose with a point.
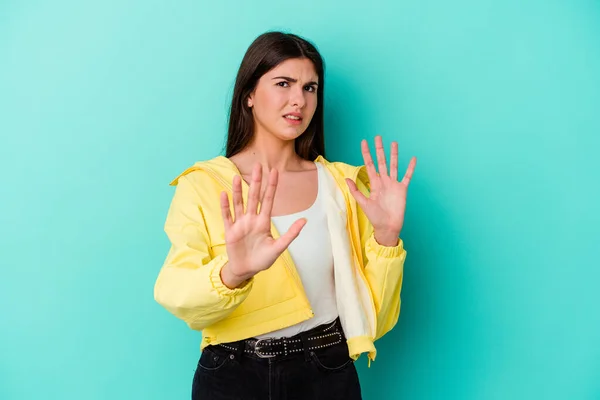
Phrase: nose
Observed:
(297, 98)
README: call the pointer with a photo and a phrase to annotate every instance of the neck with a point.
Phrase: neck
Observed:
(272, 152)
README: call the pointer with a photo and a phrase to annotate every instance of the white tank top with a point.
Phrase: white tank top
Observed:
(312, 255)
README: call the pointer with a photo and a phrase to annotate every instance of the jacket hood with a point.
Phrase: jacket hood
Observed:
(225, 169)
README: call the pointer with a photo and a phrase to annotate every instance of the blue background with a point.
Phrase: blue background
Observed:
(102, 103)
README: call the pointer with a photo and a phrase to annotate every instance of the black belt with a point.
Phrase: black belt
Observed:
(316, 338)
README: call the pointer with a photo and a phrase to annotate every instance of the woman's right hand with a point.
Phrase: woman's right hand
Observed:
(250, 246)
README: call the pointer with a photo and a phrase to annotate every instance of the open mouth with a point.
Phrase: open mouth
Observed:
(293, 119)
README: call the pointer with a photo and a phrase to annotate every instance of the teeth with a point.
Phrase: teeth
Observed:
(292, 117)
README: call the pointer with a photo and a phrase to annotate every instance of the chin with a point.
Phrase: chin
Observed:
(290, 134)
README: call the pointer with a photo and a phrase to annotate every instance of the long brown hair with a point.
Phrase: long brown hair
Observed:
(265, 53)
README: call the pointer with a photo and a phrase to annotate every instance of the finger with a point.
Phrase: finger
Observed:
(238, 205)
(254, 192)
(286, 239)
(394, 162)
(380, 151)
(360, 198)
(225, 210)
(409, 172)
(371, 172)
(267, 202)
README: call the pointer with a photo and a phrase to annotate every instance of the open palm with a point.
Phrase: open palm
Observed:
(250, 246)
(386, 204)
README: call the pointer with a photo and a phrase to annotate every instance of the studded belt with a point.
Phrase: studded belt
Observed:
(316, 338)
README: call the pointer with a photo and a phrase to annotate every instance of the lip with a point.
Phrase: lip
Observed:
(295, 114)
(293, 121)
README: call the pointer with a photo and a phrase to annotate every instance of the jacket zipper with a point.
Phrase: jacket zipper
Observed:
(355, 243)
(358, 265)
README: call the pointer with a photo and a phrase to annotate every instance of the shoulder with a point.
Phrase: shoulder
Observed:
(198, 171)
(201, 183)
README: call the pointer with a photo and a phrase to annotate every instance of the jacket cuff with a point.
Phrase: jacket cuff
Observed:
(219, 286)
(385, 251)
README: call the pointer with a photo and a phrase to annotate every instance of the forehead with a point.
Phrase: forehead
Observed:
(296, 68)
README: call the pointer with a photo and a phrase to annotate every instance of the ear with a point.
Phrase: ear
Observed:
(250, 101)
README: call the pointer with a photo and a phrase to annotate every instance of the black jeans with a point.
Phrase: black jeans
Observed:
(327, 373)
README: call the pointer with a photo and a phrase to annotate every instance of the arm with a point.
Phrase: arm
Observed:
(380, 218)
(384, 267)
(189, 284)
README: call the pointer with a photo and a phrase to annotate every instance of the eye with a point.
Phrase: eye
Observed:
(310, 88)
(283, 84)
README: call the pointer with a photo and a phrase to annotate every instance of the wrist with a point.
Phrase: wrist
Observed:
(387, 239)
(231, 279)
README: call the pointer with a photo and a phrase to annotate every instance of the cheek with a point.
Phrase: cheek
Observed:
(311, 104)
(268, 106)
(273, 101)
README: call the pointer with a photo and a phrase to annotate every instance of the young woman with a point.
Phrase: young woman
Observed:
(290, 265)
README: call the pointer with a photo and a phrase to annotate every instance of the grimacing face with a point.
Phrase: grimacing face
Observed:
(285, 99)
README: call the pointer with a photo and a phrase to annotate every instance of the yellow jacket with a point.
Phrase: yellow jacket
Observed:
(368, 276)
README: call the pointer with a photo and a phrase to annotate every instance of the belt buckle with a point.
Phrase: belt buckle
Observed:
(257, 352)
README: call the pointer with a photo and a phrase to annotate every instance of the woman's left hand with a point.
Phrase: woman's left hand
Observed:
(386, 204)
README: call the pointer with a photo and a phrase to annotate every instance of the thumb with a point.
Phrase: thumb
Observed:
(357, 194)
(286, 239)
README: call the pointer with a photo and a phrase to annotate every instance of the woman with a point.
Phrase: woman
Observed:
(284, 317)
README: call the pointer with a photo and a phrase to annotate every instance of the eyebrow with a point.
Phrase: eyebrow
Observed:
(287, 78)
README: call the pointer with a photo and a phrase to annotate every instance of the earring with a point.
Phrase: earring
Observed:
(249, 103)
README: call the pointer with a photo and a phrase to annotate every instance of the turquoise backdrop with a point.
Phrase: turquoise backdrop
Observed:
(102, 103)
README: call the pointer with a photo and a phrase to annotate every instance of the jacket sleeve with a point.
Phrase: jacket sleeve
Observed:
(189, 283)
(384, 267)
